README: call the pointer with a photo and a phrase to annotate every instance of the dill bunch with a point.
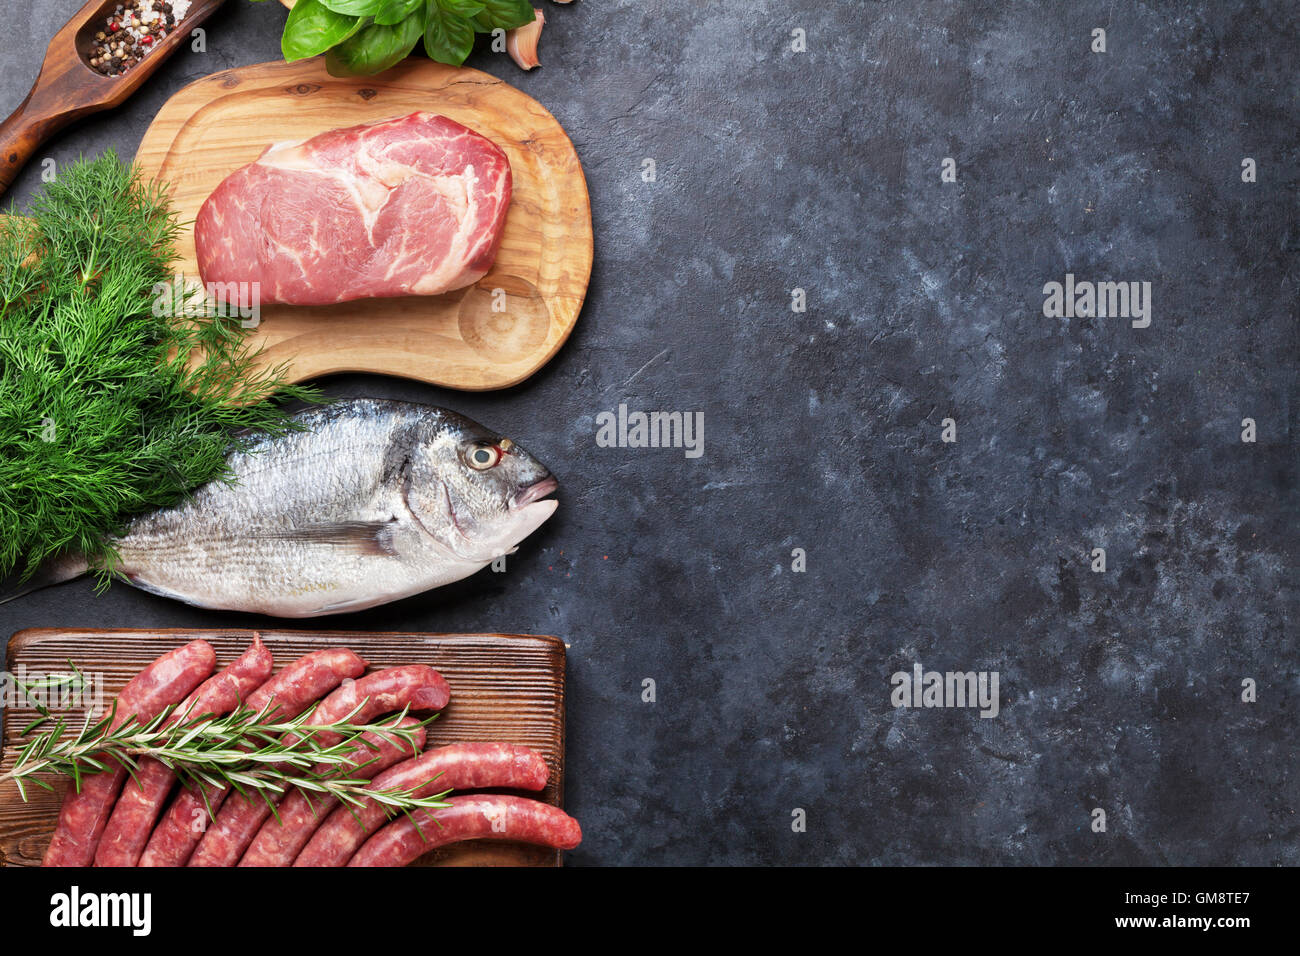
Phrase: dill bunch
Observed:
(106, 408)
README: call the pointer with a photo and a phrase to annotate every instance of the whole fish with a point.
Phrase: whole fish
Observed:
(374, 501)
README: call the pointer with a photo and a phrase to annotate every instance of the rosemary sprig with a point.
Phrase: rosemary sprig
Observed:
(248, 750)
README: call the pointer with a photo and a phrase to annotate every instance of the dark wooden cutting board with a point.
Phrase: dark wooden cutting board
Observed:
(504, 687)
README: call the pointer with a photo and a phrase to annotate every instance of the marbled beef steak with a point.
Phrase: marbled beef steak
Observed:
(407, 206)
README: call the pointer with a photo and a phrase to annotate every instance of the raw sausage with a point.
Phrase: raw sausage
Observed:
(285, 695)
(292, 690)
(144, 795)
(416, 686)
(457, 767)
(487, 816)
(85, 811)
(279, 840)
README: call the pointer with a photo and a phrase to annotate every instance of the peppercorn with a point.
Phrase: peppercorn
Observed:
(130, 33)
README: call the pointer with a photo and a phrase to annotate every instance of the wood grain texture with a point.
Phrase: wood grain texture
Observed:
(68, 87)
(504, 687)
(224, 121)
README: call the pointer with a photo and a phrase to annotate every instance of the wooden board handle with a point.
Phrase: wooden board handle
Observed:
(68, 88)
(20, 135)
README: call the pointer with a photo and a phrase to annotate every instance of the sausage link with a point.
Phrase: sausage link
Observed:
(287, 694)
(279, 840)
(85, 810)
(413, 685)
(487, 816)
(456, 767)
(143, 797)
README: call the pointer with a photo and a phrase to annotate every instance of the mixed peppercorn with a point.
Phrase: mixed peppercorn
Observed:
(132, 31)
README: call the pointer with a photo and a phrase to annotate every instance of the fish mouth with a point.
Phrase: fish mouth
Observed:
(534, 492)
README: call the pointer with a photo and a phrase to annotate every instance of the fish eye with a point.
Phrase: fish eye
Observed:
(483, 457)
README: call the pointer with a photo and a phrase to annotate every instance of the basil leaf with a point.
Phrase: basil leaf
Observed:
(448, 38)
(355, 8)
(313, 28)
(504, 14)
(395, 11)
(375, 48)
(463, 8)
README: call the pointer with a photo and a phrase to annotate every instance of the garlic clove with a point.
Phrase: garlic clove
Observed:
(521, 42)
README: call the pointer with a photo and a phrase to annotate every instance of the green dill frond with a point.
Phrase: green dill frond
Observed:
(110, 407)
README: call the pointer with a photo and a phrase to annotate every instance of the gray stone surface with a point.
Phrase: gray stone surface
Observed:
(820, 170)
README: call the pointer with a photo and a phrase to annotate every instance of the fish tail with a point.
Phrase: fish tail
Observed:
(54, 571)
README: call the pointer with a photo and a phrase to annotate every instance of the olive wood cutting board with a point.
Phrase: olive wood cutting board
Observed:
(473, 338)
(504, 687)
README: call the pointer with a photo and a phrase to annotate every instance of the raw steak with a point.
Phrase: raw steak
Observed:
(407, 206)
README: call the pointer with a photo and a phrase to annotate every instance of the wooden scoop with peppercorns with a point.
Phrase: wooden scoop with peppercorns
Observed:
(99, 58)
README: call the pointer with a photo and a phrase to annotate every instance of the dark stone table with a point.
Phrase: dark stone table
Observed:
(822, 170)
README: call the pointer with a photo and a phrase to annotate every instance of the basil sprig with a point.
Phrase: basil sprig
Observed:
(364, 37)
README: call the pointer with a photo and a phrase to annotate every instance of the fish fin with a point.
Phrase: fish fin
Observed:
(51, 572)
(138, 582)
(339, 607)
(359, 537)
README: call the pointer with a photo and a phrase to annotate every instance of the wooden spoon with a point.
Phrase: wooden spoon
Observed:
(68, 87)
